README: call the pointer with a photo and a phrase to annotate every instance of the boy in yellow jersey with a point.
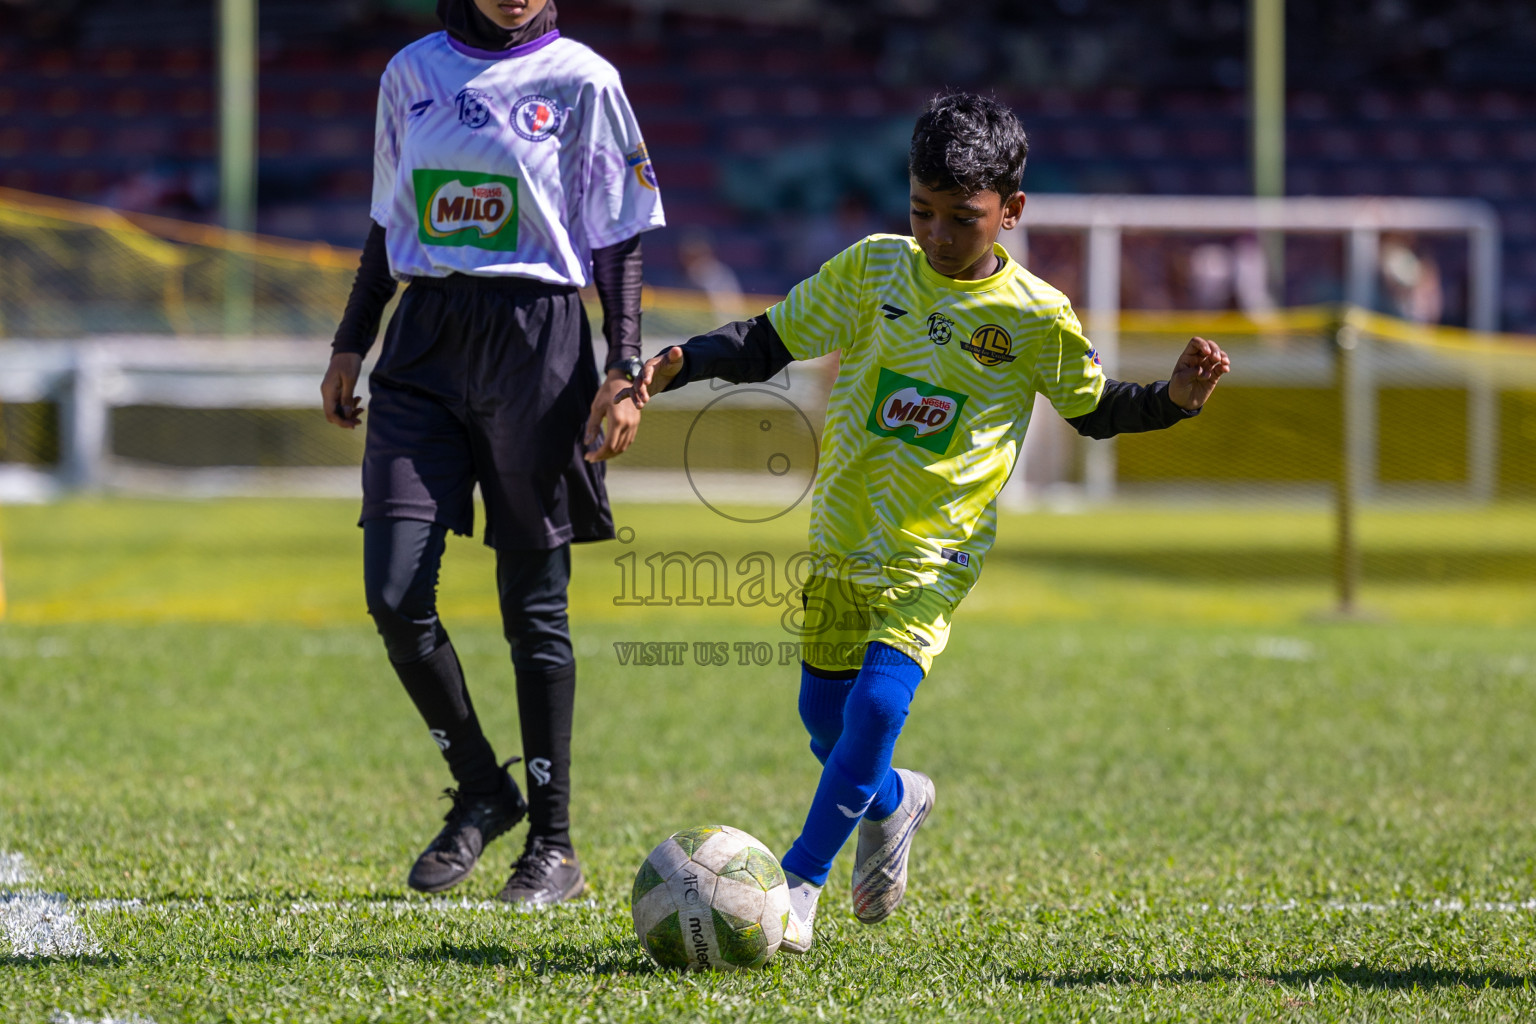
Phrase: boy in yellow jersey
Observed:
(944, 343)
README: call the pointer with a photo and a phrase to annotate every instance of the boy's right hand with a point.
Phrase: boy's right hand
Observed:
(341, 404)
(656, 376)
(1200, 366)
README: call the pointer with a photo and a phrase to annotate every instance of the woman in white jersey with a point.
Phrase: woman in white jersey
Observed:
(509, 171)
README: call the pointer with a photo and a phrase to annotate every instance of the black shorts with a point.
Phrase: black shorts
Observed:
(488, 381)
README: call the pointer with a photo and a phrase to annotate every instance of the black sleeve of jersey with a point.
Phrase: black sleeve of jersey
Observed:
(616, 273)
(742, 352)
(1126, 408)
(372, 289)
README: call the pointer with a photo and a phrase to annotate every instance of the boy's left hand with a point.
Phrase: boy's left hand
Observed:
(623, 420)
(1194, 377)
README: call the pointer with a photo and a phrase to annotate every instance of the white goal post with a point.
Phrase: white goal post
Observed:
(1105, 219)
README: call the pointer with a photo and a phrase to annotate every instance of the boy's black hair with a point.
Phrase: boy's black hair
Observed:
(967, 143)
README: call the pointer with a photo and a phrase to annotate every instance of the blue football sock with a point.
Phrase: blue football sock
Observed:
(858, 767)
(821, 708)
(887, 797)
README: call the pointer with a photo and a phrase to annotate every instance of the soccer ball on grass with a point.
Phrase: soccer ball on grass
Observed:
(710, 897)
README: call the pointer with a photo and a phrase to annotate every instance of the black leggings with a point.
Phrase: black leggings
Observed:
(401, 559)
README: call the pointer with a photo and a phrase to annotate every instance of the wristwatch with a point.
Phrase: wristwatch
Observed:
(629, 366)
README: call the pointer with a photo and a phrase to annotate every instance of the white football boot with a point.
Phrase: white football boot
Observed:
(798, 930)
(880, 867)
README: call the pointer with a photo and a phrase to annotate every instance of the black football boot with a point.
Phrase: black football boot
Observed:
(544, 875)
(471, 824)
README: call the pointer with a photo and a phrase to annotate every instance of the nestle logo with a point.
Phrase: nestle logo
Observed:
(927, 412)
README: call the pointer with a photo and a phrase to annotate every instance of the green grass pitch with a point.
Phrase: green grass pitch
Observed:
(1170, 787)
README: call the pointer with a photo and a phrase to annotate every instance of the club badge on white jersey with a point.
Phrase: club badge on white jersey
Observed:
(517, 163)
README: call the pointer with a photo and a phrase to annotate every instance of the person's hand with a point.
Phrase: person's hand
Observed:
(655, 377)
(337, 397)
(1200, 366)
(623, 420)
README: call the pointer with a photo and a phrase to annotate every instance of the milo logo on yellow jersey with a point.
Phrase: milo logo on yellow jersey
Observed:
(466, 208)
(915, 411)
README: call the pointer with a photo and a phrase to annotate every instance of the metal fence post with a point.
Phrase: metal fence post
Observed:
(84, 420)
(1364, 254)
(1099, 468)
(1482, 435)
(1346, 489)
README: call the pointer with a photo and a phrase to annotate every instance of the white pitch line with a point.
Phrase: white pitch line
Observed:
(400, 907)
(38, 923)
(396, 907)
(1300, 906)
(1371, 907)
(45, 924)
(42, 924)
(13, 869)
(68, 1018)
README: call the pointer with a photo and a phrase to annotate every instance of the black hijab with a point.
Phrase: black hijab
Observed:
(465, 23)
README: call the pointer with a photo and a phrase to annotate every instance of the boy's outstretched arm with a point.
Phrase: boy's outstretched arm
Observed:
(1127, 408)
(742, 352)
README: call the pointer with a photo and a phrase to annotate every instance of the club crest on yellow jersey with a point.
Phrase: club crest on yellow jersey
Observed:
(990, 345)
(938, 328)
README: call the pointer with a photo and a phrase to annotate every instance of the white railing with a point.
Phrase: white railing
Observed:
(87, 379)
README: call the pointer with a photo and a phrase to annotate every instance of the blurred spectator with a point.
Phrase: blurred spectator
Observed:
(1145, 272)
(1227, 276)
(158, 191)
(820, 237)
(1410, 281)
(1250, 278)
(1210, 276)
(706, 272)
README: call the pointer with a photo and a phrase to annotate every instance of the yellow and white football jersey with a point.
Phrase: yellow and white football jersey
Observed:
(934, 392)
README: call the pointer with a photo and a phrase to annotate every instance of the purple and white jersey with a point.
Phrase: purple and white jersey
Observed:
(513, 163)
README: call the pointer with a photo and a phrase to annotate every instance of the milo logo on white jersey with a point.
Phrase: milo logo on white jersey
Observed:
(466, 208)
(915, 411)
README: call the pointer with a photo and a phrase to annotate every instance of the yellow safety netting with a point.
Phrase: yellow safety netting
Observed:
(71, 270)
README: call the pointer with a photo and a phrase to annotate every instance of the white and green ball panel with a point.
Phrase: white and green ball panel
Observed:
(688, 888)
(775, 916)
(743, 901)
(741, 943)
(701, 940)
(664, 941)
(691, 839)
(732, 852)
(669, 855)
